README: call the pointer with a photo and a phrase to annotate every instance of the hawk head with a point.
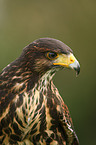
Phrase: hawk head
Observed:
(48, 53)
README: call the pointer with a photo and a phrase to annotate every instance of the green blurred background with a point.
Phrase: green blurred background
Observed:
(71, 21)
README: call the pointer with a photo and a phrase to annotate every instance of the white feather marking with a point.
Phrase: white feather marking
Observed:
(18, 85)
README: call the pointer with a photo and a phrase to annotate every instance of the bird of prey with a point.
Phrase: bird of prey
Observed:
(32, 112)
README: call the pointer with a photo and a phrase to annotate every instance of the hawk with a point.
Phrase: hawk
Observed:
(32, 112)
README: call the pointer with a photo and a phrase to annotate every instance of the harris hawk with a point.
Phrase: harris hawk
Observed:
(32, 112)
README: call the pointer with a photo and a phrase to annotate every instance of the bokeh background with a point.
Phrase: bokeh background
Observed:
(71, 21)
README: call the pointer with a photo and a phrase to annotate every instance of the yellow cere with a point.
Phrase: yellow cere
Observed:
(65, 60)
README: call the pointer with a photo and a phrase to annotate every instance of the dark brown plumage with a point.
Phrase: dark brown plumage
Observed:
(31, 108)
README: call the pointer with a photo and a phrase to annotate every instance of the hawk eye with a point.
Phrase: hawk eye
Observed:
(52, 55)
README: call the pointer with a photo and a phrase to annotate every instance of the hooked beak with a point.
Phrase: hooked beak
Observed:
(68, 61)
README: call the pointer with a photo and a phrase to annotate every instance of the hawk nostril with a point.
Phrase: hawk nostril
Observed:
(71, 60)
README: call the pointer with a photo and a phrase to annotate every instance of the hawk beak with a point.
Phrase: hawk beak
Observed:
(68, 61)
